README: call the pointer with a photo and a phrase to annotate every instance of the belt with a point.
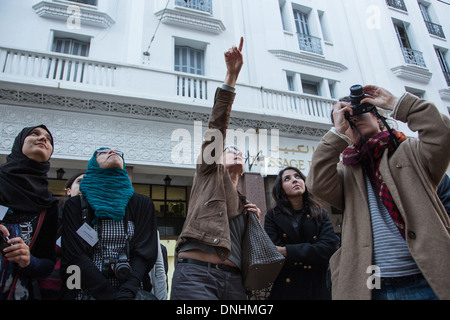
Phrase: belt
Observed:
(222, 267)
(413, 277)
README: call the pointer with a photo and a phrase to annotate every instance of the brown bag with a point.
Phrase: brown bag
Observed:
(261, 261)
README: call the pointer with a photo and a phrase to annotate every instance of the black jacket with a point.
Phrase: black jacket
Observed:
(309, 243)
(143, 249)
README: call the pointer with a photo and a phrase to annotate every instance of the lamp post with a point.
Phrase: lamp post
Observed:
(167, 181)
(60, 174)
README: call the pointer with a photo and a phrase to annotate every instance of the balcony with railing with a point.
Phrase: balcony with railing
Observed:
(142, 89)
(310, 43)
(435, 29)
(201, 5)
(58, 67)
(414, 67)
(298, 106)
(397, 4)
(413, 57)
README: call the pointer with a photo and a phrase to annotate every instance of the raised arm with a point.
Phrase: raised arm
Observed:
(215, 136)
(234, 62)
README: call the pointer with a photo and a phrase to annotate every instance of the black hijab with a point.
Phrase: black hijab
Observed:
(23, 181)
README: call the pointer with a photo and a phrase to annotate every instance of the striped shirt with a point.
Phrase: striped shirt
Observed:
(391, 253)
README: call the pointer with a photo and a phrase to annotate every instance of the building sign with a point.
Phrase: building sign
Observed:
(289, 152)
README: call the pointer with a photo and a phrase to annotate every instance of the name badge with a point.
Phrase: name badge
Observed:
(88, 234)
(3, 211)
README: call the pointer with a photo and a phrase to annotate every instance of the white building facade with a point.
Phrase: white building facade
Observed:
(140, 76)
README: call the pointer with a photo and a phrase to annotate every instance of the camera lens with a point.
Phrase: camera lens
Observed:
(122, 270)
(356, 94)
(357, 90)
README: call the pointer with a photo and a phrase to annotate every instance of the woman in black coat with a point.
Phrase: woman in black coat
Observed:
(303, 233)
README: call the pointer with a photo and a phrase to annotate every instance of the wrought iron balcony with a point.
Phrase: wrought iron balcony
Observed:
(201, 5)
(310, 43)
(435, 29)
(397, 4)
(413, 57)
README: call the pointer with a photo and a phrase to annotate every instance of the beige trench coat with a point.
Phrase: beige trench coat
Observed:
(412, 175)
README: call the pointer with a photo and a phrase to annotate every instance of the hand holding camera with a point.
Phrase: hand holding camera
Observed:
(17, 252)
(3, 242)
(364, 100)
(379, 97)
(4, 238)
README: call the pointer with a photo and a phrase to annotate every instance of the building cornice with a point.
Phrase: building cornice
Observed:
(413, 72)
(191, 20)
(59, 11)
(445, 94)
(310, 59)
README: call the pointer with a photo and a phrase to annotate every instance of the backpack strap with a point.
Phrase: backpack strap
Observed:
(35, 235)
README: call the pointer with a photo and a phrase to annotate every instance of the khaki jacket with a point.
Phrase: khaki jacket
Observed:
(412, 175)
(214, 199)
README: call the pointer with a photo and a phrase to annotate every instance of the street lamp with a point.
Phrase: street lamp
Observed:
(167, 181)
(60, 174)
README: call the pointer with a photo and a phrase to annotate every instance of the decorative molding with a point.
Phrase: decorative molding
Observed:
(191, 20)
(91, 17)
(309, 59)
(445, 94)
(77, 135)
(143, 112)
(413, 72)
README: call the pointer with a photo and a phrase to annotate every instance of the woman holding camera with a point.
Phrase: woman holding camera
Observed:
(109, 232)
(394, 223)
(28, 214)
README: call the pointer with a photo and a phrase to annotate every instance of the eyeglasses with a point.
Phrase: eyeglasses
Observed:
(235, 151)
(102, 151)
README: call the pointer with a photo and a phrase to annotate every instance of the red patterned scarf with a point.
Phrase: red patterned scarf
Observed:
(369, 156)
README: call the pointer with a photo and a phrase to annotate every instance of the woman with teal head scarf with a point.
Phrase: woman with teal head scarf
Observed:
(123, 226)
(106, 185)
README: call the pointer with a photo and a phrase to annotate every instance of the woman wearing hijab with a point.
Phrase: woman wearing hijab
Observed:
(28, 214)
(303, 233)
(109, 232)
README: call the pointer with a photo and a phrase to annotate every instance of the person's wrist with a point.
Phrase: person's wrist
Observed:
(393, 101)
(341, 130)
(230, 80)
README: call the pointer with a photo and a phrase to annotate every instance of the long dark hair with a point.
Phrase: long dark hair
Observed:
(310, 204)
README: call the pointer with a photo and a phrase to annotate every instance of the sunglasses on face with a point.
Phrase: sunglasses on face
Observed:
(105, 151)
(235, 151)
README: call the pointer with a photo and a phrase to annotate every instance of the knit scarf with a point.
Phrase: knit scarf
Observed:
(369, 155)
(107, 191)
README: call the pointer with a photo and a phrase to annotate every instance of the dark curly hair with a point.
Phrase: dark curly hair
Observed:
(310, 204)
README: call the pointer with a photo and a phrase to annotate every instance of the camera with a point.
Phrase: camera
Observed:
(3, 242)
(356, 95)
(119, 267)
